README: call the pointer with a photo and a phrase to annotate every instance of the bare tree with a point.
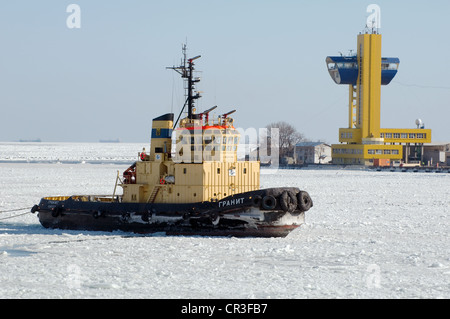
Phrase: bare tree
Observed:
(288, 137)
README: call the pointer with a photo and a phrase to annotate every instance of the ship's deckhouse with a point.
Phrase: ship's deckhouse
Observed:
(194, 162)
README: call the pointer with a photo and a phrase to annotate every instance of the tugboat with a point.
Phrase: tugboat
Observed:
(198, 188)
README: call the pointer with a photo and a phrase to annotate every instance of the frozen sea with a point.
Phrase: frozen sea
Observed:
(369, 235)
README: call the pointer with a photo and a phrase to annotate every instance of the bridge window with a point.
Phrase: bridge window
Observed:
(350, 65)
(389, 66)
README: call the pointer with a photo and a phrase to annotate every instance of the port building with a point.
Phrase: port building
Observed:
(312, 153)
(364, 140)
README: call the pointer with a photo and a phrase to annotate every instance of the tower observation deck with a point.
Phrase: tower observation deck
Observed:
(363, 140)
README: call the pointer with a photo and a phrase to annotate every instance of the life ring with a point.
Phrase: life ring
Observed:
(304, 201)
(269, 202)
(162, 181)
(288, 201)
(143, 156)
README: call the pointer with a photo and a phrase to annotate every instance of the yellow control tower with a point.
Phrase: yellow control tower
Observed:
(363, 142)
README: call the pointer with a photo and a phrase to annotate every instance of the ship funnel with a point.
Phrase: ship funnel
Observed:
(161, 136)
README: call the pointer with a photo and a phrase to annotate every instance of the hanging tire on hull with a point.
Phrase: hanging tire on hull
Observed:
(56, 211)
(288, 201)
(269, 202)
(304, 201)
(256, 201)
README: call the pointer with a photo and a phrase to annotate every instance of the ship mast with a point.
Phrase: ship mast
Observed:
(186, 70)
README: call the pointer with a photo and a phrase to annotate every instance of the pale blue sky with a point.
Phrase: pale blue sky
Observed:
(266, 59)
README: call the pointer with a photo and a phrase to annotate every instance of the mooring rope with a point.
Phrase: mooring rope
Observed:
(15, 210)
(15, 216)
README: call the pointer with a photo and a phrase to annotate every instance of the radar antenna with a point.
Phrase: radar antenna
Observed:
(186, 70)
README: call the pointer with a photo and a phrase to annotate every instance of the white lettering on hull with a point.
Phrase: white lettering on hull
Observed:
(231, 202)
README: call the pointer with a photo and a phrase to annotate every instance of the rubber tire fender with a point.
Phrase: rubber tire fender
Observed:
(269, 202)
(97, 214)
(304, 201)
(35, 209)
(288, 201)
(256, 201)
(215, 219)
(57, 211)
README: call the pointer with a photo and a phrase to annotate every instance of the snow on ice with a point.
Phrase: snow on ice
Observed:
(369, 235)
